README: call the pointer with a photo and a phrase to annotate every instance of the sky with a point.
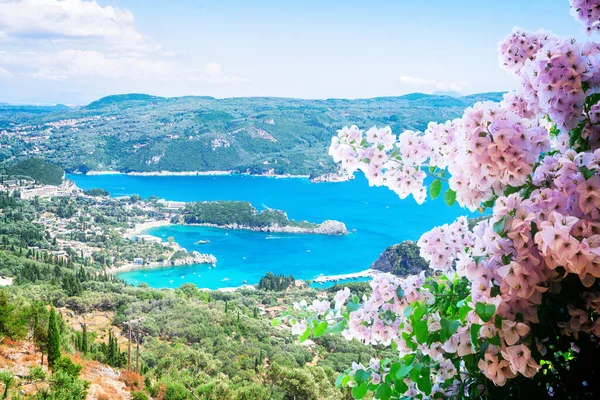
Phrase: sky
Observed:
(76, 51)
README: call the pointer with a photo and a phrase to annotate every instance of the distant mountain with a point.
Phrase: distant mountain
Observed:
(448, 93)
(143, 133)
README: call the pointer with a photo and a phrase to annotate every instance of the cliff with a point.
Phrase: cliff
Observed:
(401, 259)
(329, 227)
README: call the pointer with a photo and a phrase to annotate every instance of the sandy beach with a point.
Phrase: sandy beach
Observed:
(144, 226)
(333, 278)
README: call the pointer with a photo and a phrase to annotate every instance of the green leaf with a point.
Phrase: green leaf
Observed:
(403, 371)
(321, 328)
(450, 197)
(424, 384)
(475, 328)
(485, 311)
(587, 173)
(499, 227)
(435, 189)
(359, 391)
(463, 311)
(418, 312)
(361, 376)
(338, 381)
(495, 340)
(383, 392)
(352, 306)
(305, 335)
(591, 100)
(399, 292)
(432, 169)
(448, 328)
(421, 331)
(338, 327)
(276, 321)
(512, 189)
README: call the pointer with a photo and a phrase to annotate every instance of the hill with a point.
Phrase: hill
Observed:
(39, 170)
(144, 133)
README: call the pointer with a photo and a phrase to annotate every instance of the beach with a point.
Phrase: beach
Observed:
(341, 277)
(140, 228)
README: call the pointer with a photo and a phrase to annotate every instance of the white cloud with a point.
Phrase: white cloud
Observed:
(214, 73)
(431, 84)
(4, 73)
(68, 19)
(85, 63)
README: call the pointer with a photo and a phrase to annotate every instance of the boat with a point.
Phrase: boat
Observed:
(202, 242)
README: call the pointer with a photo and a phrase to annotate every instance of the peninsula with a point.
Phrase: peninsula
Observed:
(242, 215)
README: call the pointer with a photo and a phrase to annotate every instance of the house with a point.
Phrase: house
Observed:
(138, 261)
(60, 255)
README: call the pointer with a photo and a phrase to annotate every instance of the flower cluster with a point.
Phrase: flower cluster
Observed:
(588, 13)
(534, 160)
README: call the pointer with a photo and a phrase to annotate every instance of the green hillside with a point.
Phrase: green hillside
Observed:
(138, 132)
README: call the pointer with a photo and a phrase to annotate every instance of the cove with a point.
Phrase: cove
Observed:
(379, 217)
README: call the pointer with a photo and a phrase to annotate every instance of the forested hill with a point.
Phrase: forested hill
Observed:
(138, 132)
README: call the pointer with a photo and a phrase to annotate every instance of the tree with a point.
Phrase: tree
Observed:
(7, 378)
(53, 339)
(84, 338)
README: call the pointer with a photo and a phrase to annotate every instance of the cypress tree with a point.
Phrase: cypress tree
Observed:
(53, 339)
(84, 342)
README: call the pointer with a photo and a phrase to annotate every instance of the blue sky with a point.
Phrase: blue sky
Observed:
(74, 51)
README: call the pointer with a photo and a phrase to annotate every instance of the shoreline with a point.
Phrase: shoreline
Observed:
(190, 173)
(342, 277)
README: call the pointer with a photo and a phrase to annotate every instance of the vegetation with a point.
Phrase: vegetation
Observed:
(39, 170)
(193, 344)
(139, 132)
(401, 259)
(224, 213)
(275, 282)
(96, 192)
(53, 339)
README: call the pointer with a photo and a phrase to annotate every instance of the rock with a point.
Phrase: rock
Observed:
(331, 227)
(401, 259)
(193, 257)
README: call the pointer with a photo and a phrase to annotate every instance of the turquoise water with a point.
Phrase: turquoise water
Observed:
(378, 215)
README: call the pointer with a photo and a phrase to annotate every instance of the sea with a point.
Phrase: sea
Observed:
(375, 215)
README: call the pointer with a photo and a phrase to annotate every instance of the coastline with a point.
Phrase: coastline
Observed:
(140, 228)
(192, 173)
(320, 229)
(341, 277)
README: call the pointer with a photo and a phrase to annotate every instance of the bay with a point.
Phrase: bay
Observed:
(377, 215)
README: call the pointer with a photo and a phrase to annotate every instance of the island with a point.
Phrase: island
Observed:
(242, 215)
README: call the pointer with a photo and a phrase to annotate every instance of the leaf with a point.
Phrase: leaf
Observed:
(321, 328)
(418, 312)
(351, 306)
(275, 322)
(512, 189)
(495, 340)
(450, 197)
(359, 391)
(305, 335)
(338, 327)
(383, 392)
(475, 328)
(591, 101)
(403, 371)
(448, 328)
(399, 292)
(361, 376)
(424, 384)
(435, 189)
(499, 227)
(463, 311)
(421, 331)
(485, 311)
(587, 173)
